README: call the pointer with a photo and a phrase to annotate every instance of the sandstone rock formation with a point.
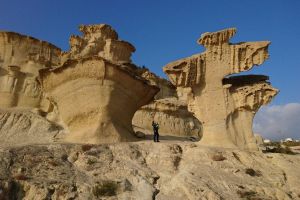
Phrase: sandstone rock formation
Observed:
(172, 115)
(21, 57)
(169, 109)
(97, 89)
(93, 91)
(224, 105)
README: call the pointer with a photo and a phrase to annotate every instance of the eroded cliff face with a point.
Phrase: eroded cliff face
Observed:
(21, 57)
(97, 89)
(225, 109)
(169, 109)
(172, 115)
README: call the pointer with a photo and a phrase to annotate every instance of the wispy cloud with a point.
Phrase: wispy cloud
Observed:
(278, 121)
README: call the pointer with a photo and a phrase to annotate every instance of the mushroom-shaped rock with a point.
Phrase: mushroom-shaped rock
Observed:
(225, 107)
(21, 57)
(96, 97)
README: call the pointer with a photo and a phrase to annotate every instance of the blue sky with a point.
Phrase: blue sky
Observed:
(166, 30)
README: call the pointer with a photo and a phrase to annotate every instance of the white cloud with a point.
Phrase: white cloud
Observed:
(278, 121)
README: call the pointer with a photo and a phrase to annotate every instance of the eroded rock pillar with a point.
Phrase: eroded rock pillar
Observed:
(213, 101)
(96, 89)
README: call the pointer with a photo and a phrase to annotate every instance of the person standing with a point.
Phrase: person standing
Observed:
(155, 131)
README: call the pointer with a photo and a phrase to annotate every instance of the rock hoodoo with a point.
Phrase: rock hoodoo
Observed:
(224, 105)
(97, 89)
(92, 92)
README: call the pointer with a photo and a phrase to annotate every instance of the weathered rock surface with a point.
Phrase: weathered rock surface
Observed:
(172, 116)
(99, 40)
(169, 109)
(22, 126)
(165, 171)
(97, 90)
(21, 57)
(224, 106)
(259, 139)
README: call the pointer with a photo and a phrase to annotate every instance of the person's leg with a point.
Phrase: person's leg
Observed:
(157, 137)
(154, 137)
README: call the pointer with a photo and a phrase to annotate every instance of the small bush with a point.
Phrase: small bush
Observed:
(218, 157)
(106, 188)
(91, 161)
(86, 147)
(291, 143)
(53, 163)
(177, 160)
(252, 172)
(246, 194)
(20, 177)
(64, 157)
(279, 149)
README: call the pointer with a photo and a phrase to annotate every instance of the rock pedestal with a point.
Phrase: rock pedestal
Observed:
(96, 97)
(225, 109)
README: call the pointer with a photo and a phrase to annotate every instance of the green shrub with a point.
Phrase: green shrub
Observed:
(106, 188)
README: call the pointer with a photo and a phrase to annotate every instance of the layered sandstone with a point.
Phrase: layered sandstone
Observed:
(169, 109)
(21, 57)
(225, 106)
(97, 90)
(171, 114)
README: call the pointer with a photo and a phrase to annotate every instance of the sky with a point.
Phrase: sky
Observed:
(166, 30)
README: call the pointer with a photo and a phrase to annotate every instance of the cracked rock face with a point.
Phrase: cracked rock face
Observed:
(21, 127)
(225, 106)
(97, 90)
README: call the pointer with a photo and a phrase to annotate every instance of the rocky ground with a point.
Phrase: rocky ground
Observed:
(146, 170)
